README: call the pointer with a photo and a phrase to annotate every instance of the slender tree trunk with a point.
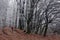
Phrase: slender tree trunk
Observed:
(45, 29)
(46, 26)
(28, 28)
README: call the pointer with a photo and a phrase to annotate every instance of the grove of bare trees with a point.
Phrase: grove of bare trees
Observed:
(37, 16)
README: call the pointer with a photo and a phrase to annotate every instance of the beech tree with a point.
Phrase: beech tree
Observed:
(50, 12)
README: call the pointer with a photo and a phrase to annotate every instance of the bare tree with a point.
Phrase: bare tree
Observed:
(52, 8)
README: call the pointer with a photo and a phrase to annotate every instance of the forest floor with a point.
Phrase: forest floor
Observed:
(8, 34)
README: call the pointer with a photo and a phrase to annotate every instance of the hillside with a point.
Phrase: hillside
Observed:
(16, 34)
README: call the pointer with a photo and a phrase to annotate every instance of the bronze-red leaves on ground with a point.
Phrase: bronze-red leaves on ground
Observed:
(16, 34)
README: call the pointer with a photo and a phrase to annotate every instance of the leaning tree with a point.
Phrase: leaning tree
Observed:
(52, 9)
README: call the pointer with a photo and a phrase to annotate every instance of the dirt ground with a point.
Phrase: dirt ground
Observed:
(16, 34)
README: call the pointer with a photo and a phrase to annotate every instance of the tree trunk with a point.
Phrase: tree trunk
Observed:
(46, 26)
(45, 29)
